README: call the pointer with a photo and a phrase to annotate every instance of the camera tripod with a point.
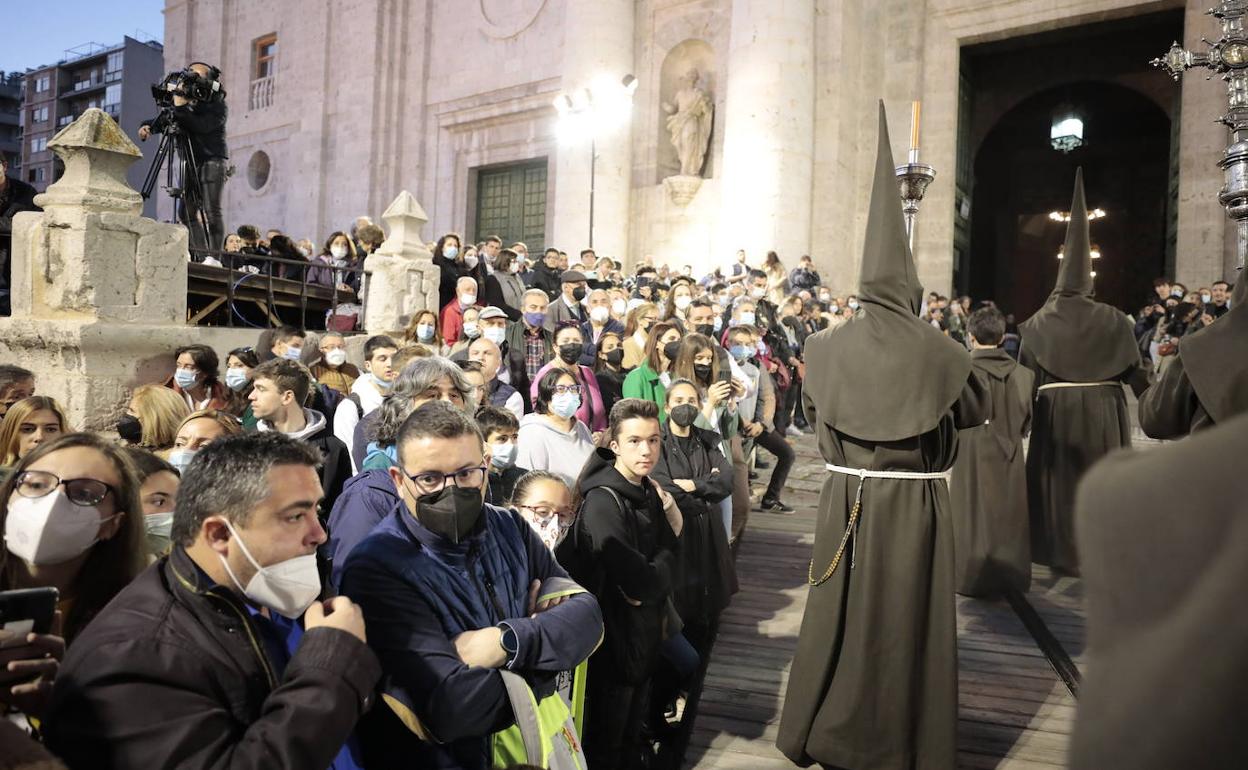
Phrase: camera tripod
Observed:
(181, 177)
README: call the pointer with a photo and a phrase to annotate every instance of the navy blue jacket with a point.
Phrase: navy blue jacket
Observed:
(366, 499)
(419, 591)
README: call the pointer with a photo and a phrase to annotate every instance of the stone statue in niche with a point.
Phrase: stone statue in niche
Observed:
(689, 122)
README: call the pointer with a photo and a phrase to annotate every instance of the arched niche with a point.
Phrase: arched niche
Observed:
(684, 56)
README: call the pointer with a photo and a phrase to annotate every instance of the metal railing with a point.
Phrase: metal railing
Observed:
(266, 267)
(262, 90)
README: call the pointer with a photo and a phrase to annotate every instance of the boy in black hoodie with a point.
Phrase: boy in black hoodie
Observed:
(624, 549)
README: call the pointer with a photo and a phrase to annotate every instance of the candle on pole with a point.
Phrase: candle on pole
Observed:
(914, 177)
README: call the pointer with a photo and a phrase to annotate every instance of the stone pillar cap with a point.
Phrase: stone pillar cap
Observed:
(97, 131)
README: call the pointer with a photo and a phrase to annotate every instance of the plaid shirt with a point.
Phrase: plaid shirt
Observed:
(534, 352)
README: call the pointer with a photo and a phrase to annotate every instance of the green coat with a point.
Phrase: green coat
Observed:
(644, 383)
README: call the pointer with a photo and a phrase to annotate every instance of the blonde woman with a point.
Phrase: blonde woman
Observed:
(636, 330)
(29, 423)
(197, 431)
(152, 418)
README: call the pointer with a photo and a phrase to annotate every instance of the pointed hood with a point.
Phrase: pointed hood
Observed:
(1074, 337)
(1074, 276)
(888, 274)
(1216, 359)
(885, 375)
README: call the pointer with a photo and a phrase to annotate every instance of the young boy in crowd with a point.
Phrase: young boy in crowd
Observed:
(502, 432)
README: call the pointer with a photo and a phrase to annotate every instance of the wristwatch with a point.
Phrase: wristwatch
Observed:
(509, 641)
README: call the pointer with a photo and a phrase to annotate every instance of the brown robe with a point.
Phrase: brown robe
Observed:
(874, 683)
(1164, 534)
(991, 541)
(1074, 338)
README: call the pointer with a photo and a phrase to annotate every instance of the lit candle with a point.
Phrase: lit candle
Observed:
(914, 125)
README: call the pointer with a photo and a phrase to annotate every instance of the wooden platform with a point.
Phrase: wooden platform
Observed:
(1014, 712)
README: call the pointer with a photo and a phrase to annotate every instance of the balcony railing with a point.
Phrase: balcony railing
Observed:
(262, 90)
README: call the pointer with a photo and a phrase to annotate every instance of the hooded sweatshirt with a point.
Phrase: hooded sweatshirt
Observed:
(543, 447)
(366, 499)
(336, 468)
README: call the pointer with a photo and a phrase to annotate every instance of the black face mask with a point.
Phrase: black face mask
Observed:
(706, 330)
(703, 373)
(671, 349)
(452, 513)
(570, 353)
(684, 415)
(616, 357)
(578, 293)
(129, 428)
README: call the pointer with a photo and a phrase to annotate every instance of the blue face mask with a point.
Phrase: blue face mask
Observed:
(424, 332)
(292, 353)
(535, 319)
(741, 352)
(236, 378)
(719, 323)
(450, 252)
(186, 378)
(565, 404)
(747, 318)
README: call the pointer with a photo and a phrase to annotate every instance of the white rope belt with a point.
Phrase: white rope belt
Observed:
(851, 528)
(863, 473)
(1055, 385)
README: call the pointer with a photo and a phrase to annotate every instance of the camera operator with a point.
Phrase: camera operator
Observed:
(198, 110)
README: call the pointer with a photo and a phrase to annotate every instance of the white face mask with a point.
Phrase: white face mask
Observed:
(504, 455)
(495, 334)
(551, 532)
(599, 315)
(338, 252)
(181, 459)
(236, 378)
(336, 357)
(747, 318)
(683, 302)
(50, 529)
(293, 353)
(471, 261)
(758, 292)
(288, 587)
(471, 330)
(468, 300)
(517, 267)
(619, 307)
(159, 527)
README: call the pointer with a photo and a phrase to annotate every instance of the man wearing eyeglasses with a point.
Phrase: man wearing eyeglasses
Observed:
(453, 590)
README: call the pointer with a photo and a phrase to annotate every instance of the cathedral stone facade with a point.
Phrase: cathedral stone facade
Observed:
(337, 105)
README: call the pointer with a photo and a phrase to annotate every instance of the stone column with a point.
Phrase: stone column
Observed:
(1205, 250)
(402, 278)
(99, 292)
(769, 130)
(597, 45)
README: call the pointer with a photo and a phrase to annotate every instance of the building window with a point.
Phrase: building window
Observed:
(36, 174)
(115, 60)
(39, 114)
(264, 57)
(43, 83)
(112, 95)
(258, 169)
(38, 145)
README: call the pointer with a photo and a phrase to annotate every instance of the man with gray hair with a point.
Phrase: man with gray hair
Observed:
(202, 661)
(452, 318)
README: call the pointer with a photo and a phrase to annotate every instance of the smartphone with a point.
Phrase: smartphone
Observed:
(23, 611)
(725, 375)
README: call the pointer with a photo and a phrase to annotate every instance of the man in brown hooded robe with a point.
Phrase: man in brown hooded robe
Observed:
(1206, 383)
(874, 682)
(1081, 351)
(991, 542)
(1164, 576)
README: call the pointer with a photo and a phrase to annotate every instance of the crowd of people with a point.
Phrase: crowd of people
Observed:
(518, 518)
(537, 488)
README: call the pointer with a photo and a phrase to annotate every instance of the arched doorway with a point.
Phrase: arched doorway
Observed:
(1020, 180)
